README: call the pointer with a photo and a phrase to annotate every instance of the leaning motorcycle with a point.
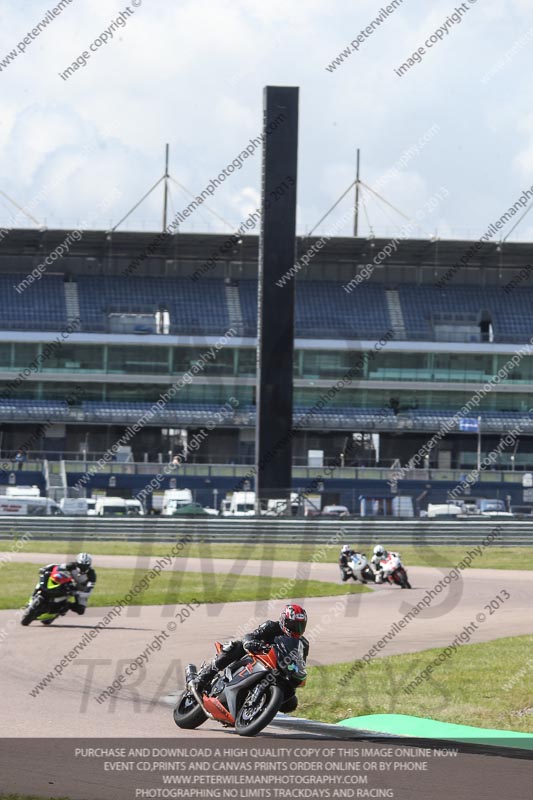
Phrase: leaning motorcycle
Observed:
(394, 572)
(248, 694)
(360, 568)
(50, 599)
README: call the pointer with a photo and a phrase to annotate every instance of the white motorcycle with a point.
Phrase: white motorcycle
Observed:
(393, 571)
(361, 569)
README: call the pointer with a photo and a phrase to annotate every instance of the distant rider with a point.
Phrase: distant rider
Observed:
(345, 562)
(380, 554)
(292, 622)
(82, 573)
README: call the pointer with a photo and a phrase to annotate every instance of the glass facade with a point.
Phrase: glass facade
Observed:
(129, 360)
(223, 364)
(304, 397)
(230, 362)
(89, 358)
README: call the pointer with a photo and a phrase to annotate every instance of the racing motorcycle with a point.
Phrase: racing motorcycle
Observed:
(51, 598)
(248, 694)
(394, 572)
(360, 569)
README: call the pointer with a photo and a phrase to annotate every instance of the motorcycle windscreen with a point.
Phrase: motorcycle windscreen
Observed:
(291, 660)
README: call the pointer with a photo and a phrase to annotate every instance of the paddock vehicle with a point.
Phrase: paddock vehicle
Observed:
(241, 504)
(111, 507)
(134, 508)
(484, 507)
(31, 506)
(74, 506)
(443, 510)
(248, 694)
(174, 500)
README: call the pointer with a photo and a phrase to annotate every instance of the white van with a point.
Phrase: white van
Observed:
(74, 506)
(23, 491)
(242, 504)
(443, 510)
(174, 499)
(134, 508)
(29, 506)
(111, 507)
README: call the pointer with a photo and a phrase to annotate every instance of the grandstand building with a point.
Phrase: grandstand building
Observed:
(387, 352)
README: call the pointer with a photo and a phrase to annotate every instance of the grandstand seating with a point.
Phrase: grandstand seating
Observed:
(34, 409)
(194, 307)
(198, 414)
(190, 414)
(512, 318)
(40, 305)
(323, 309)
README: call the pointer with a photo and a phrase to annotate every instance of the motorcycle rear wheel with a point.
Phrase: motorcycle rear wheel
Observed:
(187, 712)
(251, 719)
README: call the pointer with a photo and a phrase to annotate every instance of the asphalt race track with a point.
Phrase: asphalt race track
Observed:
(341, 629)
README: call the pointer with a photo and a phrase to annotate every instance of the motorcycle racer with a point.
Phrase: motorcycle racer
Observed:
(380, 555)
(344, 562)
(82, 574)
(292, 622)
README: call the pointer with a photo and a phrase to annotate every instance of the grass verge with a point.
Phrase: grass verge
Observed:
(422, 556)
(171, 588)
(486, 685)
(27, 797)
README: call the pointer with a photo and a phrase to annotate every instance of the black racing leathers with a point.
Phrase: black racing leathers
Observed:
(264, 634)
(345, 565)
(84, 582)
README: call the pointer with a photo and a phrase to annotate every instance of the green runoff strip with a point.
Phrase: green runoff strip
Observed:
(405, 725)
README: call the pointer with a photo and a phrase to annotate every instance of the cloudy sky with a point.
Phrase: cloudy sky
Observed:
(457, 126)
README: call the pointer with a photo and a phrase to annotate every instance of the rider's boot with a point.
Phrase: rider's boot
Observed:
(204, 677)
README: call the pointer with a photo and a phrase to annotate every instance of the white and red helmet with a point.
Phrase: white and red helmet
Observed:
(293, 621)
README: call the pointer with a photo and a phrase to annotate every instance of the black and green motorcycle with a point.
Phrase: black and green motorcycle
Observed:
(52, 597)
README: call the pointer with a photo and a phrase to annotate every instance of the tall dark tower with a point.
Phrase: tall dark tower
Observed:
(275, 328)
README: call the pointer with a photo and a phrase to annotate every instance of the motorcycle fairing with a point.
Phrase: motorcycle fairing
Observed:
(215, 707)
(290, 658)
(269, 659)
(57, 578)
(239, 682)
(390, 563)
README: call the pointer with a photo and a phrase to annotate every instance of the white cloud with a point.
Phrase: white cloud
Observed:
(192, 74)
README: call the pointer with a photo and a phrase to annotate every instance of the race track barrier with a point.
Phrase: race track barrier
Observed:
(270, 531)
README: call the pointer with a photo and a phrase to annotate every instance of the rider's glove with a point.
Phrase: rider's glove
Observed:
(255, 646)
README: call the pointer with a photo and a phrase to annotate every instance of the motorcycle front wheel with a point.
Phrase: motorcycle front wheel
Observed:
(31, 613)
(403, 580)
(255, 715)
(187, 712)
